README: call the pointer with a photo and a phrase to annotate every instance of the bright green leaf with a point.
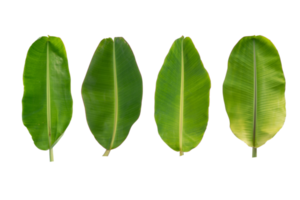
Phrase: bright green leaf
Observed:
(182, 97)
(47, 101)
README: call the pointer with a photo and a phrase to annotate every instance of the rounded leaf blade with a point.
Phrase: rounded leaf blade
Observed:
(112, 92)
(182, 97)
(253, 91)
(47, 101)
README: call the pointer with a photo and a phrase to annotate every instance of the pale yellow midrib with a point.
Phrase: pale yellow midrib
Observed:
(48, 97)
(116, 106)
(255, 93)
(181, 100)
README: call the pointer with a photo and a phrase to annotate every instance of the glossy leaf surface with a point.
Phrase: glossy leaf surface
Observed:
(112, 92)
(47, 101)
(182, 97)
(254, 91)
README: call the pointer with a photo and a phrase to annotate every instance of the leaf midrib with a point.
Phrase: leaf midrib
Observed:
(255, 94)
(181, 100)
(48, 96)
(116, 106)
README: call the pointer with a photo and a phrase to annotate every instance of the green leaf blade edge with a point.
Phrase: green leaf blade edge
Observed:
(112, 92)
(47, 101)
(254, 90)
(182, 97)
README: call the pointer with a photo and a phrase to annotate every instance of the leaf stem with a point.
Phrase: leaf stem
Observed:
(180, 154)
(51, 157)
(106, 153)
(254, 152)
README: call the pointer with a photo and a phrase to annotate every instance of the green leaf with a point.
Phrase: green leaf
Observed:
(254, 91)
(182, 97)
(47, 101)
(112, 92)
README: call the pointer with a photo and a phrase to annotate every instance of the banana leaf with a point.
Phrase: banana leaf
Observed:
(47, 101)
(112, 93)
(182, 97)
(253, 91)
